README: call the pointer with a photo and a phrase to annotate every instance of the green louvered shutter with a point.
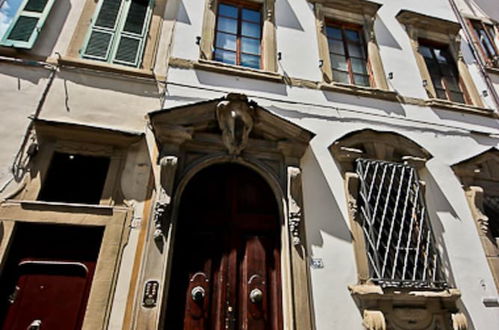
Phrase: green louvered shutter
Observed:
(133, 33)
(26, 26)
(103, 31)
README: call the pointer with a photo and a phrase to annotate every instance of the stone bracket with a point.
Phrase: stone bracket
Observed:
(295, 203)
(168, 166)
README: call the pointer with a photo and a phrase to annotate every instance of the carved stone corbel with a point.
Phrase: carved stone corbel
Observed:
(459, 321)
(475, 199)
(168, 166)
(374, 320)
(295, 203)
(235, 118)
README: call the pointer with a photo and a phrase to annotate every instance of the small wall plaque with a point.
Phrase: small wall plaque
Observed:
(150, 294)
(317, 263)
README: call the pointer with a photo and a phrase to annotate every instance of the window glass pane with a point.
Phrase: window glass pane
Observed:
(341, 77)
(336, 46)
(334, 33)
(8, 11)
(456, 97)
(358, 66)
(433, 68)
(425, 51)
(486, 43)
(452, 84)
(136, 16)
(251, 15)
(441, 94)
(225, 56)
(355, 50)
(227, 10)
(361, 80)
(441, 55)
(226, 41)
(250, 61)
(250, 46)
(227, 25)
(352, 35)
(438, 83)
(108, 13)
(339, 62)
(250, 30)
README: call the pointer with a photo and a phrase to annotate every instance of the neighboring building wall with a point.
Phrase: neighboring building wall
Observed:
(118, 98)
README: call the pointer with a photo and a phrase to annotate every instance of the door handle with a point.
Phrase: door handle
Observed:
(256, 296)
(198, 293)
(35, 325)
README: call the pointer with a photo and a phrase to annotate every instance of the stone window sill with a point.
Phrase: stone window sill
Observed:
(448, 105)
(215, 66)
(102, 66)
(492, 69)
(360, 91)
(376, 292)
(65, 207)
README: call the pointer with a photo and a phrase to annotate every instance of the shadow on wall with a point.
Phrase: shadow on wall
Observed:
(368, 103)
(437, 204)
(383, 36)
(321, 210)
(33, 75)
(234, 82)
(285, 16)
(52, 29)
(459, 116)
(182, 15)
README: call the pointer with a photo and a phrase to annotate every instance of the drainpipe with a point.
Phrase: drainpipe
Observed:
(477, 57)
(17, 168)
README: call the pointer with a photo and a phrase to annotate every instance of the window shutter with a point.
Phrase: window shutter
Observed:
(133, 33)
(26, 26)
(103, 30)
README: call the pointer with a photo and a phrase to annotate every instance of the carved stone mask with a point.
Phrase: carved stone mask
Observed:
(235, 119)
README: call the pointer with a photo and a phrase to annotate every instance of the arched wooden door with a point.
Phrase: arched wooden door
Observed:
(226, 264)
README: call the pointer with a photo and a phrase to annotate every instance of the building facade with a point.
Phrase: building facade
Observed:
(256, 164)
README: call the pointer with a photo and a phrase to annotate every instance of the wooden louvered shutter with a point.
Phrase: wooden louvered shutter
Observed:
(133, 33)
(103, 30)
(26, 26)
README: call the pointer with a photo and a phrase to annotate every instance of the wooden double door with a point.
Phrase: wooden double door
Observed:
(226, 264)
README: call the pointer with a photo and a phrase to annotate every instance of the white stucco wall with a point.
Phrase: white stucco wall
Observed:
(106, 100)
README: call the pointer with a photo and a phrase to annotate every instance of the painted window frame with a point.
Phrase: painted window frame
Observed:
(489, 59)
(360, 13)
(42, 17)
(268, 45)
(240, 5)
(446, 33)
(116, 34)
(360, 30)
(81, 34)
(462, 87)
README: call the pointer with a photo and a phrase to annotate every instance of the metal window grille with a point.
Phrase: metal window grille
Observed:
(399, 240)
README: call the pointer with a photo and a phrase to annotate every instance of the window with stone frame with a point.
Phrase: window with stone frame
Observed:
(399, 239)
(484, 36)
(443, 72)
(348, 53)
(118, 32)
(238, 34)
(348, 50)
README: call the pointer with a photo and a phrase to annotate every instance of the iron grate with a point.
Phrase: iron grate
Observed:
(399, 240)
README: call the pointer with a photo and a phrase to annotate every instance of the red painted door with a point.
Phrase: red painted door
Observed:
(46, 282)
(226, 265)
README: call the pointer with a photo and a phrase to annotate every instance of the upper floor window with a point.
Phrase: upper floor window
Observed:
(118, 32)
(238, 34)
(443, 72)
(21, 21)
(485, 36)
(347, 52)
